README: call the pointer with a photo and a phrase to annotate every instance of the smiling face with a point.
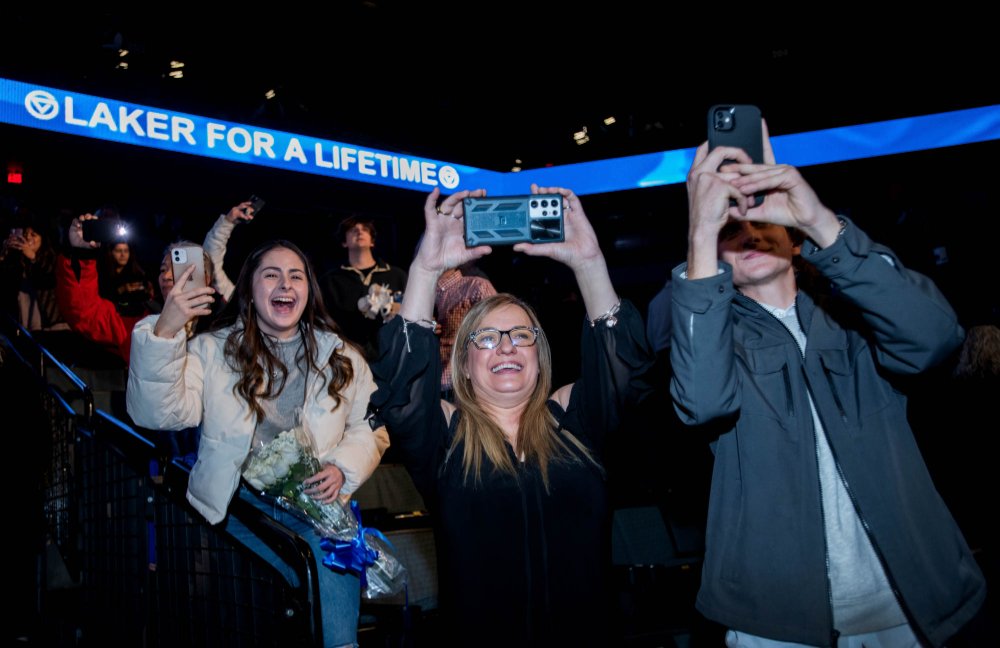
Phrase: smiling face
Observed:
(32, 242)
(760, 254)
(506, 374)
(280, 292)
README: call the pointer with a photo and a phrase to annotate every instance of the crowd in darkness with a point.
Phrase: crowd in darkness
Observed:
(930, 208)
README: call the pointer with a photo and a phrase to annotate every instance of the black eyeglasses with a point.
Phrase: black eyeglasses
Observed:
(490, 338)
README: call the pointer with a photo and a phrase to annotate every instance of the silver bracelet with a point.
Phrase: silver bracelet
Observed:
(608, 317)
(425, 323)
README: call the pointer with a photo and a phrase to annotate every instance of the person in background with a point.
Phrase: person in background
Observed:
(78, 292)
(121, 280)
(458, 290)
(511, 472)
(824, 527)
(272, 352)
(27, 274)
(346, 289)
(971, 393)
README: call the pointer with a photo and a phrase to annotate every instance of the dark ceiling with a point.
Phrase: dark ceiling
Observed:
(488, 84)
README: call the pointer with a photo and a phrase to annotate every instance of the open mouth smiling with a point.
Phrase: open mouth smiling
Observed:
(283, 303)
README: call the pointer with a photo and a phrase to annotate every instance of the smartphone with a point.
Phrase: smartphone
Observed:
(187, 255)
(104, 230)
(17, 232)
(256, 204)
(505, 220)
(739, 126)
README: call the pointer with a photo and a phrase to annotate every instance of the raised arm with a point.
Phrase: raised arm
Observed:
(78, 295)
(579, 251)
(442, 247)
(913, 325)
(408, 370)
(216, 240)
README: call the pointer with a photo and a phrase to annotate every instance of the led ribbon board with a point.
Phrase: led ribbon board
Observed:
(23, 104)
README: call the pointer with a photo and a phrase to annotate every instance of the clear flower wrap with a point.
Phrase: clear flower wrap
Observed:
(378, 302)
(277, 470)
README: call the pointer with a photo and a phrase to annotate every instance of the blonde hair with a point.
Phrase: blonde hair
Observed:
(538, 438)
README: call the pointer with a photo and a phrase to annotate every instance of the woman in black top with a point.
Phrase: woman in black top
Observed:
(511, 472)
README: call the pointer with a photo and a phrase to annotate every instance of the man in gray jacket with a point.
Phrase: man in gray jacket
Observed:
(824, 527)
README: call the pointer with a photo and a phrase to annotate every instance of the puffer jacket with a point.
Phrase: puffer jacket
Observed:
(175, 384)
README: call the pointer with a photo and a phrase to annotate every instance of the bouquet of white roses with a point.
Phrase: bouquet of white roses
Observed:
(378, 302)
(278, 469)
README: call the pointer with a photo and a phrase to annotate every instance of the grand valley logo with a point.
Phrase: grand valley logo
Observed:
(41, 105)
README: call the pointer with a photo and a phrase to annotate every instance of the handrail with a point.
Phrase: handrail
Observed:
(38, 367)
(145, 458)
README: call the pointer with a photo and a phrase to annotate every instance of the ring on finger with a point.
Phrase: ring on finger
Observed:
(443, 213)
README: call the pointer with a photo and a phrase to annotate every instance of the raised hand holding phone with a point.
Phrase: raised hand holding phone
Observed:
(185, 301)
(737, 126)
(104, 230)
(185, 256)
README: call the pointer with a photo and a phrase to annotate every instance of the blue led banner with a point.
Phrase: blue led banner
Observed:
(33, 106)
(800, 149)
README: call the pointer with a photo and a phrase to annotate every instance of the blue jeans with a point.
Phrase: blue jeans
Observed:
(340, 594)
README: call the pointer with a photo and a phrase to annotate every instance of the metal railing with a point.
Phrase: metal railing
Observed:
(123, 557)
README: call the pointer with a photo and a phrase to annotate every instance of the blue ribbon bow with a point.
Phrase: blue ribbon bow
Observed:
(352, 555)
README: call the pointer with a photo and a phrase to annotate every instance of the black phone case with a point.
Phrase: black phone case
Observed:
(257, 204)
(101, 230)
(738, 126)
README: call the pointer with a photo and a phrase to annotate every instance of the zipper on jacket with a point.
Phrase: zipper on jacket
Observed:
(834, 633)
(917, 630)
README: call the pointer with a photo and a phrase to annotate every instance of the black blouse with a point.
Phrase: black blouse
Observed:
(517, 565)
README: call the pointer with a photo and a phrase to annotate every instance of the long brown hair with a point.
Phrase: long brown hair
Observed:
(538, 439)
(247, 351)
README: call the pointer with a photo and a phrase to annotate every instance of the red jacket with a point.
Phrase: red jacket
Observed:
(87, 312)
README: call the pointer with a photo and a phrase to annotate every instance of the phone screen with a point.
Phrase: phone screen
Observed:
(103, 230)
